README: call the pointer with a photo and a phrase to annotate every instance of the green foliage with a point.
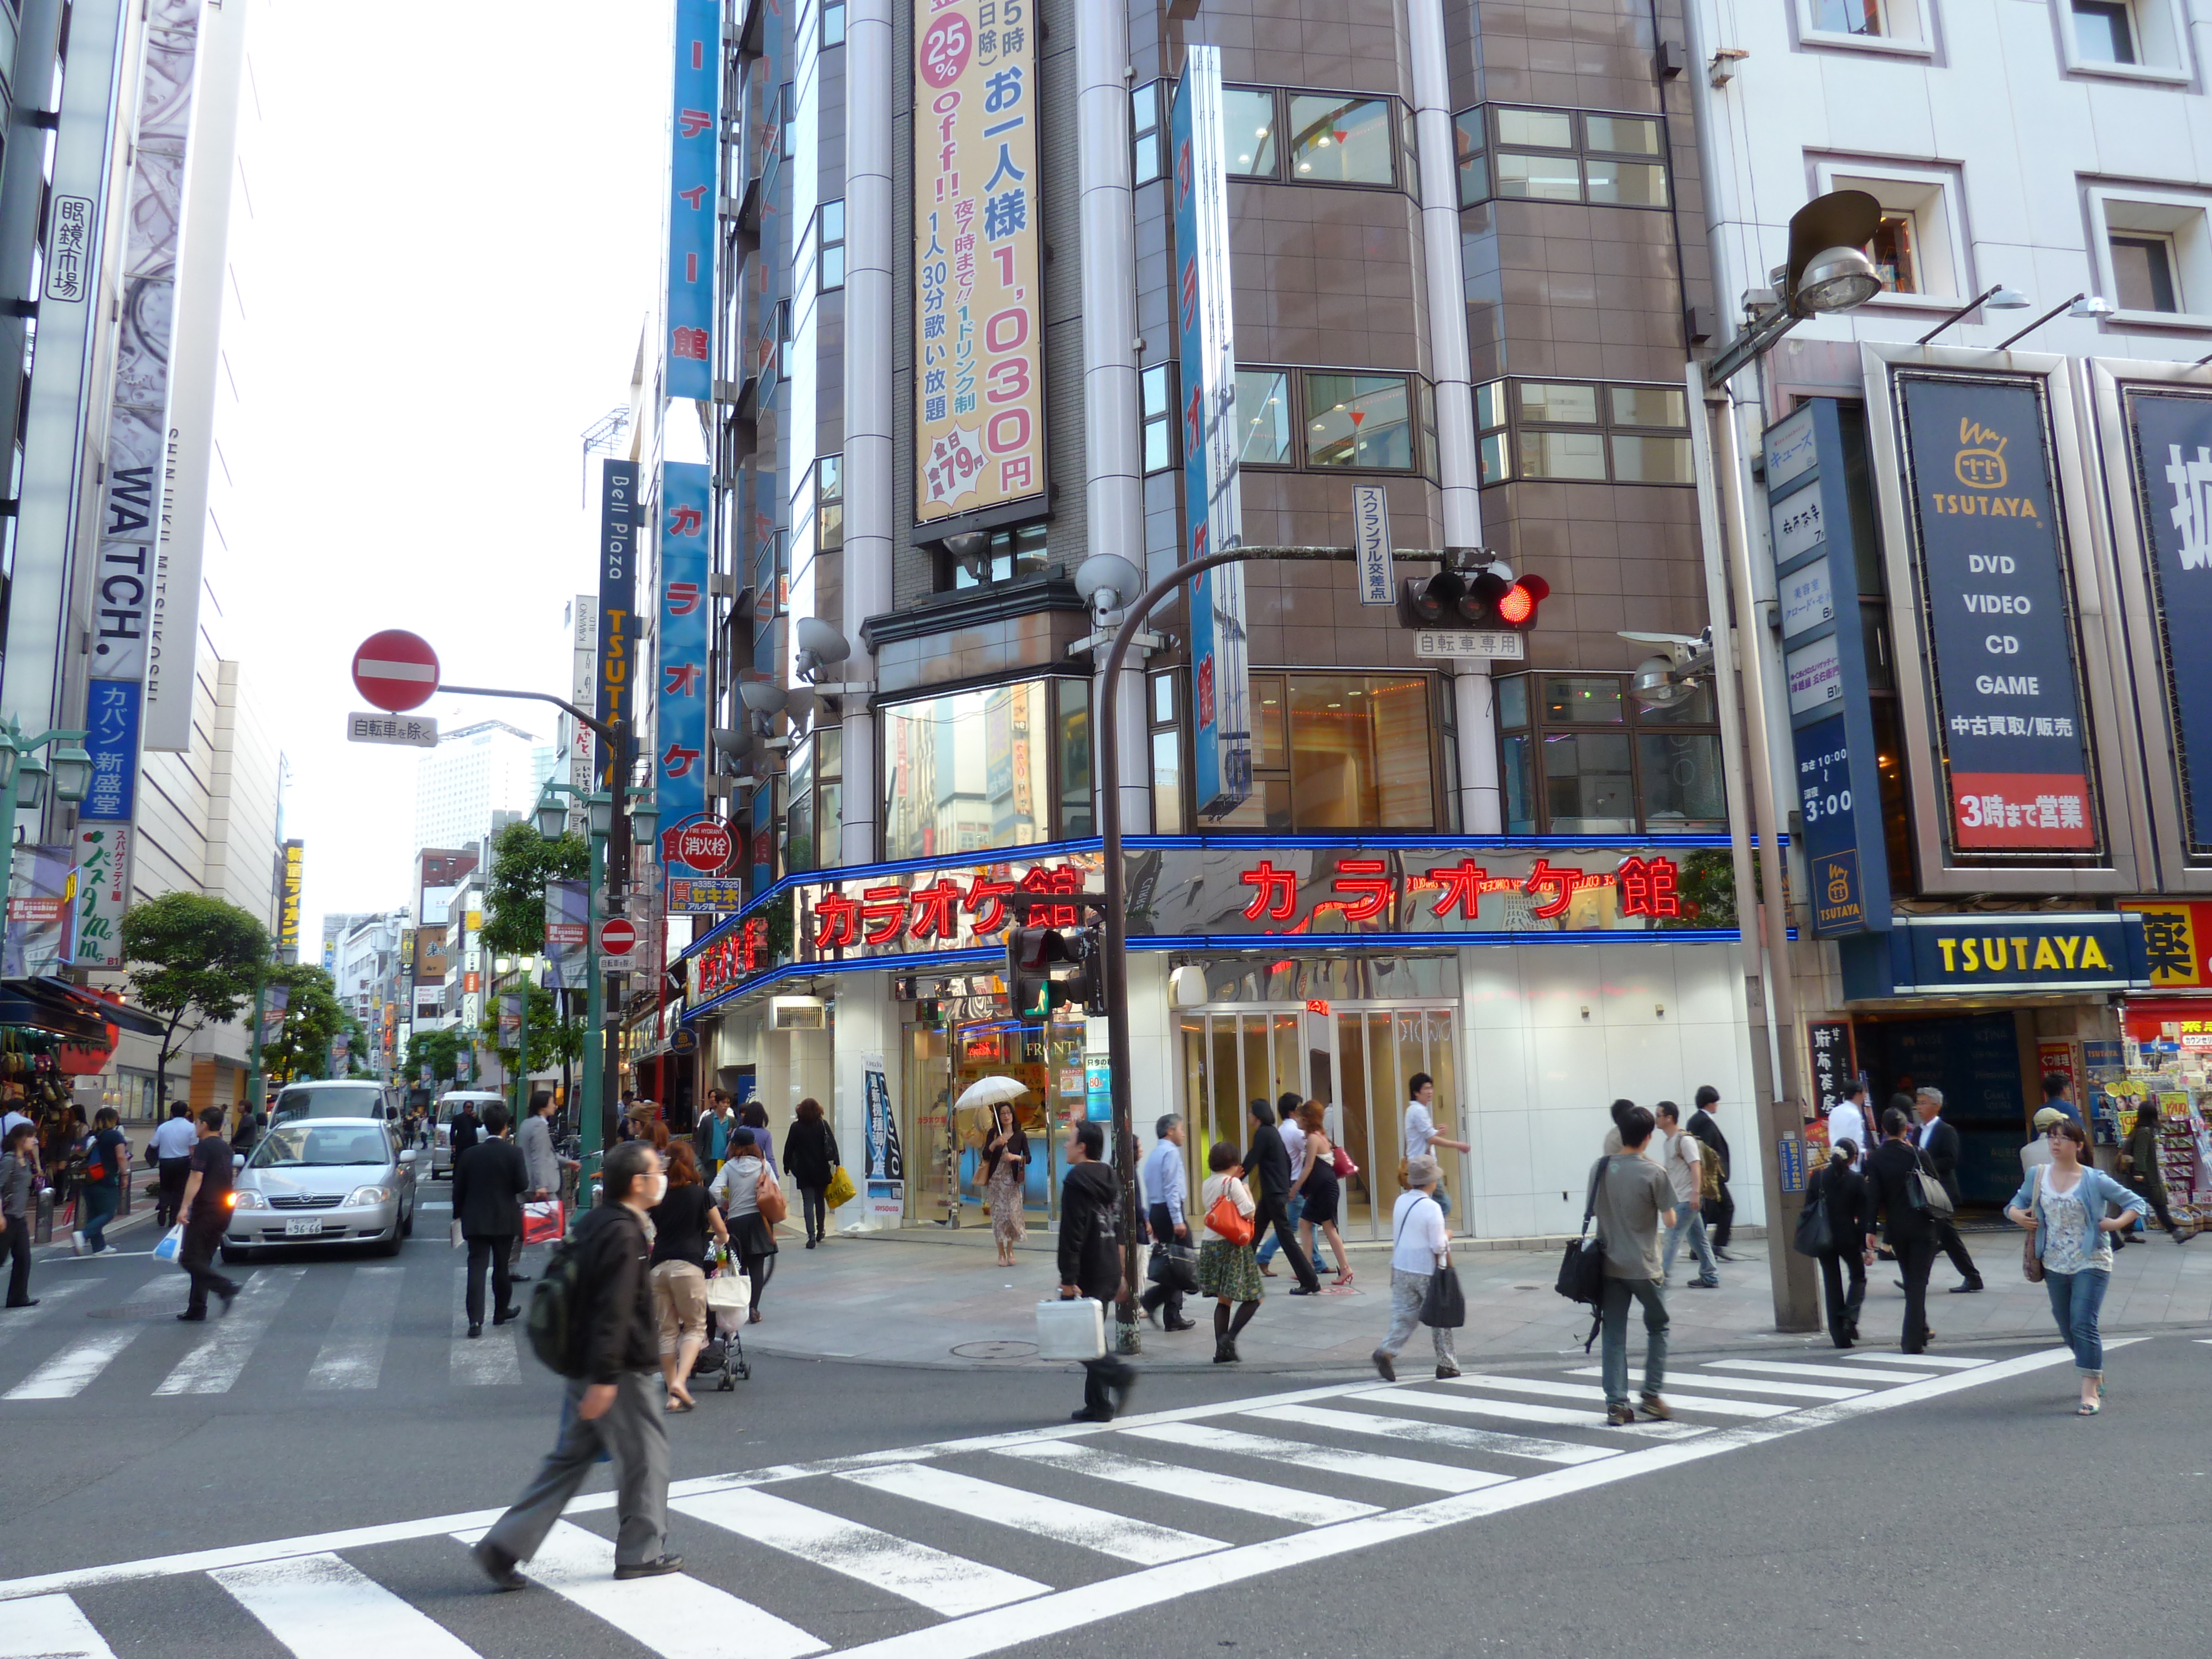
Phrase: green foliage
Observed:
(522, 862)
(552, 1039)
(1707, 886)
(312, 1016)
(193, 961)
(439, 1050)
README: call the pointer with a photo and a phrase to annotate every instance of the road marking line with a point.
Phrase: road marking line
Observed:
(1067, 1610)
(51, 1627)
(352, 1354)
(488, 1361)
(949, 1584)
(1918, 1359)
(50, 1297)
(678, 1617)
(220, 1359)
(1784, 1368)
(65, 1375)
(1309, 1454)
(322, 1607)
(1745, 1385)
(1520, 1412)
(1254, 1498)
(1717, 1407)
(1423, 1432)
(1055, 1518)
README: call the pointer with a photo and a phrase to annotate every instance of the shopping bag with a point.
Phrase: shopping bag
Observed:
(1071, 1329)
(542, 1221)
(172, 1242)
(730, 1292)
(1445, 1304)
(841, 1189)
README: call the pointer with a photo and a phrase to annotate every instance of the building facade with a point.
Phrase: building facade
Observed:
(475, 771)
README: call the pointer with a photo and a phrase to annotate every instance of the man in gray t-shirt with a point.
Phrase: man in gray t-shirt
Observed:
(1634, 1200)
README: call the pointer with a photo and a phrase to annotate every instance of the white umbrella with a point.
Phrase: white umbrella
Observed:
(990, 1091)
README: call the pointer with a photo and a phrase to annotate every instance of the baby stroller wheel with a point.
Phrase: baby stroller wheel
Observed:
(744, 1369)
(727, 1384)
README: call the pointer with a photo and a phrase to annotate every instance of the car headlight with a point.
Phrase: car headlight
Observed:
(245, 1198)
(368, 1195)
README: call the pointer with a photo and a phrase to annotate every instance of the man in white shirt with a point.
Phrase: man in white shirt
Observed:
(1421, 1136)
(173, 1154)
(1847, 1120)
(1680, 1158)
(1420, 1249)
(2038, 1151)
(1162, 1180)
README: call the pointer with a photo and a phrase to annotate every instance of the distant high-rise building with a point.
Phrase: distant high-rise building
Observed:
(471, 773)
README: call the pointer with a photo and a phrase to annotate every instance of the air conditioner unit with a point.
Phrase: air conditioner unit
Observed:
(798, 1014)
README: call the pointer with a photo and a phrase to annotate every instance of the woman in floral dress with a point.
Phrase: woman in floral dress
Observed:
(1227, 1271)
(1005, 1159)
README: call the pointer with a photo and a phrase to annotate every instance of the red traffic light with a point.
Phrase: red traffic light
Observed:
(1516, 606)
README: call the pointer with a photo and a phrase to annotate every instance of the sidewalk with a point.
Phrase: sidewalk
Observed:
(905, 1300)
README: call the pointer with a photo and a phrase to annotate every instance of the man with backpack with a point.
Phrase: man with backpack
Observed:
(593, 1320)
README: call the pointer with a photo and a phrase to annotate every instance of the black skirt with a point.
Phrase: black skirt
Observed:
(750, 1235)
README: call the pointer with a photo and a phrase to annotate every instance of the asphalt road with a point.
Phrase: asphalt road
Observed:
(1968, 1513)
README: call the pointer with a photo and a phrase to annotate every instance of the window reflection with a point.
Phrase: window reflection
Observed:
(1340, 140)
(967, 771)
(1358, 420)
(1249, 119)
(1263, 416)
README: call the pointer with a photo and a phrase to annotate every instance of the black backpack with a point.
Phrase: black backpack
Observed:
(558, 1308)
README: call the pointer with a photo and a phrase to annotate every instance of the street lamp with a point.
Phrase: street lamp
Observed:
(552, 816)
(24, 771)
(1828, 271)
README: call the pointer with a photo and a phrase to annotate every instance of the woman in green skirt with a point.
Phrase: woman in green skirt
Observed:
(1227, 1269)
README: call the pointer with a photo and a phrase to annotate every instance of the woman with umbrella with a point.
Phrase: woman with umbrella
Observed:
(1005, 1159)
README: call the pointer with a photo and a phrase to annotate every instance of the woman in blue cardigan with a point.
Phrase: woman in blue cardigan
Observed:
(2063, 1203)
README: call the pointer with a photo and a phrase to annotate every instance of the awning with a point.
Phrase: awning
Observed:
(48, 1003)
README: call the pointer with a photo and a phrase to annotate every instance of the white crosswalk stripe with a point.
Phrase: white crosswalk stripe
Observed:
(1743, 1385)
(51, 1299)
(1521, 1411)
(322, 1606)
(1918, 1361)
(1032, 1512)
(65, 1375)
(1423, 1432)
(220, 1359)
(50, 1627)
(1816, 1373)
(1194, 1485)
(1716, 1406)
(352, 1354)
(491, 1360)
(1363, 1465)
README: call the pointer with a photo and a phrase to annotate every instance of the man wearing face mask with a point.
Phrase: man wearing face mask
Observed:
(614, 1402)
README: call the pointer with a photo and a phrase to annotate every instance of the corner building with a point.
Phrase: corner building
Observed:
(1465, 264)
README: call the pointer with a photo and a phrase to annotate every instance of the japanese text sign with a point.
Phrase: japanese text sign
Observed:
(288, 914)
(680, 757)
(103, 855)
(111, 714)
(695, 139)
(2178, 941)
(1371, 538)
(617, 613)
(2172, 435)
(1828, 1044)
(978, 240)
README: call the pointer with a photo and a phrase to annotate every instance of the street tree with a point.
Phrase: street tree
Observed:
(522, 862)
(439, 1050)
(312, 1016)
(553, 1037)
(193, 961)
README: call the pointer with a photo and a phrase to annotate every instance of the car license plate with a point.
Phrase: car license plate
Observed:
(302, 1228)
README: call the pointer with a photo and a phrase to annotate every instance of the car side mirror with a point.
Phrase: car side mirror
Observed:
(408, 1156)
(238, 1160)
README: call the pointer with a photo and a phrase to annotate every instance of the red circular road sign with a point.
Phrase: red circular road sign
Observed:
(705, 847)
(396, 670)
(617, 938)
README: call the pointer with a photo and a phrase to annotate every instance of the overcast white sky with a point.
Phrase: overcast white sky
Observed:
(452, 243)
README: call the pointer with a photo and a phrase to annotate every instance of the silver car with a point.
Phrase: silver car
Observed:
(323, 1180)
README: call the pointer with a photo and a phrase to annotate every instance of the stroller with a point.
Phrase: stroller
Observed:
(722, 1357)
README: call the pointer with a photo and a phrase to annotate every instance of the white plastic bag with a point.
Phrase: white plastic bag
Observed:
(171, 1242)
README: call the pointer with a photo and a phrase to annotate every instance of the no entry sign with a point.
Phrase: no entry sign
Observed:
(396, 670)
(617, 937)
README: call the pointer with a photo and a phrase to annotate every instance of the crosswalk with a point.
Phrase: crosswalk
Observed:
(966, 1548)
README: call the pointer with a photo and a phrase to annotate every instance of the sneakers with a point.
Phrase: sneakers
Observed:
(1385, 1366)
(660, 1566)
(1654, 1405)
(498, 1566)
(1617, 1415)
(1712, 1284)
(76, 1244)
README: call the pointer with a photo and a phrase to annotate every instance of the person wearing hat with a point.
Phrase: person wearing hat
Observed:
(2038, 1151)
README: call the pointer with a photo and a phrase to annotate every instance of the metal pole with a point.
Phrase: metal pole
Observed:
(522, 1053)
(617, 874)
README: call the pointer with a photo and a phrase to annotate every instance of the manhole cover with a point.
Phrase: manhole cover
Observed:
(996, 1350)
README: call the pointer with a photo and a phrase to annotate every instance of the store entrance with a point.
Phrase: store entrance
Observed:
(944, 1155)
(1976, 1060)
(1355, 1058)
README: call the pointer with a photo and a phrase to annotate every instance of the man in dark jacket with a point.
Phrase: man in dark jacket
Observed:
(1720, 1212)
(1268, 1169)
(463, 1130)
(489, 1179)
(1940, 1141)
(1090, 1262)
(1906, 1227)
(613, 1408)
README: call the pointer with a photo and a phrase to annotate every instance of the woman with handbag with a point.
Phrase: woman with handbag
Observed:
(681, 1223)
(1005, 1164)
(737, 1187)
(1227, 1269)
(2062, 1204)
(1317, 1183)
(1420, 1248)
(809, 1155)
(1892, 1175)
(1840, 1192)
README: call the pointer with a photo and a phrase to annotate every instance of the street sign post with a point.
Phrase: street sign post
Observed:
(617, 936)
(1370, 536)
(412, 731)
(1468, 643)
(396, 670)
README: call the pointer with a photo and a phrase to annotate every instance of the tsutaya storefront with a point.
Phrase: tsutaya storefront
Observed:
(1535, 980)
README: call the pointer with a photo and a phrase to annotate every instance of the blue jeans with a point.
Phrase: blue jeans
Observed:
(1613, 1328)
(100, 1202)
(2077, 1299)
(1689, 1219)
(1293, 1211)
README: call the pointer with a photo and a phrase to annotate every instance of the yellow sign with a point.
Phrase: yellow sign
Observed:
(288, 916)
(979, 315)
(2171, 941)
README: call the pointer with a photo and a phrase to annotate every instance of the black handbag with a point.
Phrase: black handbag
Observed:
(1174, 1267)
(1581, 1267)
(1445, 1306)
(1814, 1236)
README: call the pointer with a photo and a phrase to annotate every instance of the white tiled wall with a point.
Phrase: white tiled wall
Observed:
(1557, 1033)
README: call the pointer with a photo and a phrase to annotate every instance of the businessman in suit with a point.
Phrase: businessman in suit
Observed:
(1720, 1214)
(1267, 1168)
(489, 1179)
(1941, 1142)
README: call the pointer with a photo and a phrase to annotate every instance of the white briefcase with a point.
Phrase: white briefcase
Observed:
(1070, 1330)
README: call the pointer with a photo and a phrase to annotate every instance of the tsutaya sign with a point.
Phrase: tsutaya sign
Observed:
(1443, 895)
(2037, 951)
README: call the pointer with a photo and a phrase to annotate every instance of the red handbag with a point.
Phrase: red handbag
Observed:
(1227, 1221)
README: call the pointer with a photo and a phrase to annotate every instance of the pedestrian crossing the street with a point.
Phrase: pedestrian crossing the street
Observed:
(967, 1547)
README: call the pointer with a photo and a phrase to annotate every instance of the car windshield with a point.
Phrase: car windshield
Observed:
(298, 1146)
(328, 1101)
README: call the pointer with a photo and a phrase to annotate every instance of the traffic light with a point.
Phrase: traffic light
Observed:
(1429, 601)
(1517, 606)
(1487, 596)
(1039, 961)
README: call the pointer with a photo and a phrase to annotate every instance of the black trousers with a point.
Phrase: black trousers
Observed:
(1167, 1295)
(1720, 1217)
(2156, 1199)
(175, 1171)
(814, 1210)
(16, 1243)
(1844, 1305)
(1948, 1242)
(196, 1255)
(1268, 1213)
(494, 1251)
(1916, 1257)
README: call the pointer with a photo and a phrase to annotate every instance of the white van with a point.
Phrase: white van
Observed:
(449, 1108)
(357, 1097)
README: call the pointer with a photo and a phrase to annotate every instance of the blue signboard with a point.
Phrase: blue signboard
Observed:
(618, 626)
(1820, 550)
(111, 717)
(2100, 950)
(695, 140)
(2173, 436)
(680, 765)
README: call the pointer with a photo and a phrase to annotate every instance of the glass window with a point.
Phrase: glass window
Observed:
(1570, 405)
(1490, 405)
(1563, 455)
(2102, 32)
(1164, 699)
(1167, 784)
(1337, 140)
(833, 245)
(1695, 708)
(1268, 746)
(1248, 118)
(1360, 752)
(1544, 129)
(1647, 405)
(1651, 460)
(1158, 416)
(1848, 16)
(1578, 701)
(1145, 122)
(833, 23)
(1587, 788)
(1428, 395)
(2142, 273)
(1467, 142)
(1513, 700)
(1518, 776)
(798, 820)
(1539, 177)
(1892, 251)
(830, 503)
(999, 556)
(1263, 414)
(1496, 458)
(1681, 778)
(1075, 803)
(966, 772)
(1626, 184)
(1358, 420)
(1621, 134)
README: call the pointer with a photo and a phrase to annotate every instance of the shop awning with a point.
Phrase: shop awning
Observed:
(50, 1003)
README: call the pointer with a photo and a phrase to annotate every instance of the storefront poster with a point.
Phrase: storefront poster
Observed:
(2173, 439)
(1997, 618)
(884, 1177)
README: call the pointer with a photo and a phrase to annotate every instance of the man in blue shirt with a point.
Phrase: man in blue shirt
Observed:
(2054, 1095)
(1163, 1182)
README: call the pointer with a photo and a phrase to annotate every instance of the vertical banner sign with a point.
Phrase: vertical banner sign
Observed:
(276, 1000)
(695, 140)
(1829, 1043)
(1213, 515)
(137, 461)
(680, 766)
(978, 260)
(42, 931)
(618, 621)
(510, 1020)
(885, 1174)
(569, 933)
(2171, 437)
(585, 625)
(103, 853)
(288, 916)
(1813, 458)
(1371, 538)
(111, 738)
(1998, 624)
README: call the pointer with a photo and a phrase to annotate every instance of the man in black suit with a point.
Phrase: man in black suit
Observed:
(489, 1179)
(1268, 1165)
(1720, 1212)
(1907, 1229)
(1940, 1141)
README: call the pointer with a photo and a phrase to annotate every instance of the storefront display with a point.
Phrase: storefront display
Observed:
(2165, 1061)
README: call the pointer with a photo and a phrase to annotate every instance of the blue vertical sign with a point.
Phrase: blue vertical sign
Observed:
(679, 763)
(2171, 432)
(111, 717)
(694, 141)
(1213, 518)
(1820, 550)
